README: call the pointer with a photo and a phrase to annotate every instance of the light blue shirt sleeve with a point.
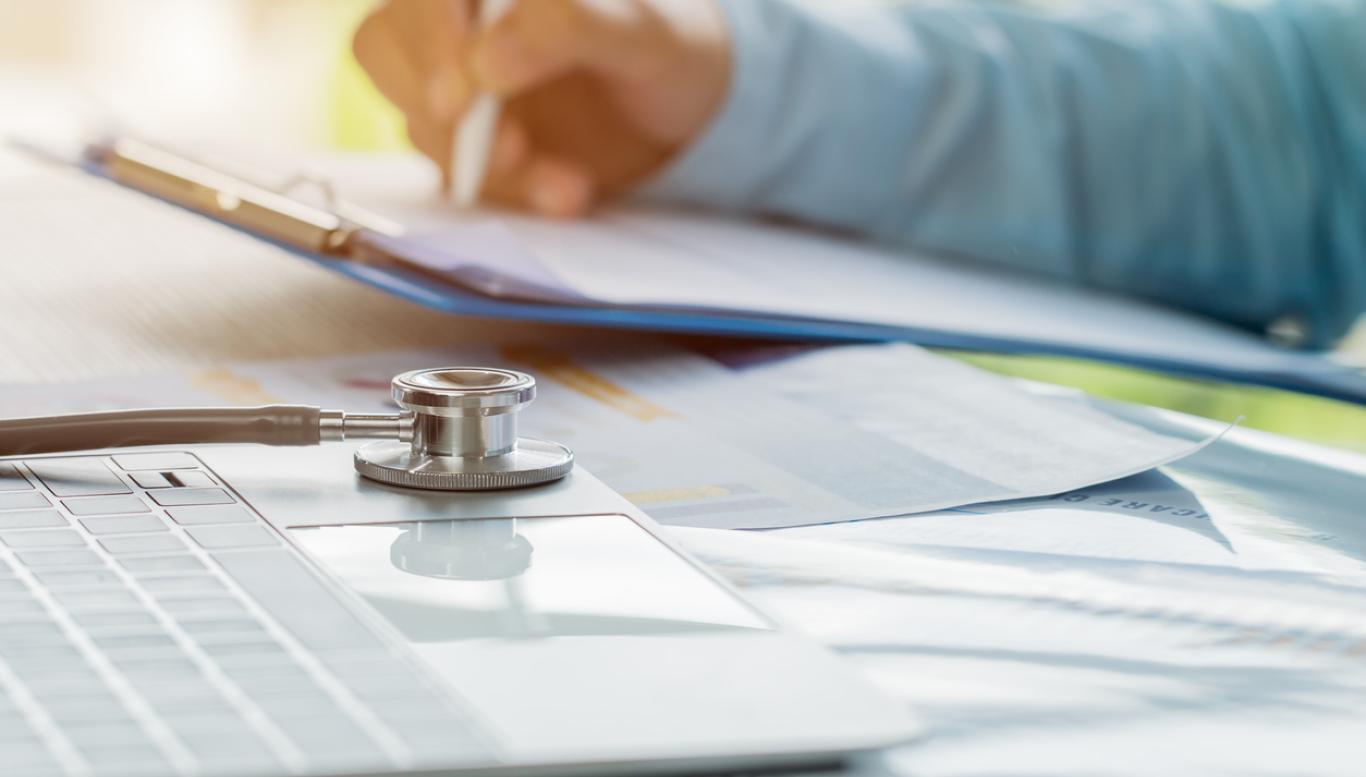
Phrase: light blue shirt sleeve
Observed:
(1209, 155)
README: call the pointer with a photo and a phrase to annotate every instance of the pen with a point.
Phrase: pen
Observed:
(472, 144)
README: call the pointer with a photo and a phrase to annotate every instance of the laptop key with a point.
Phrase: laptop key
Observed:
(103, 709)
(293, 683)
(227, 742)
(202, 514)
(14, 727)
(104, 733)
(151, 480)
(50, 538)
(78, 477)
(331, 740)
(39, 658)
(64, 681)
(225, 537)
(366, 666)
(59, 558)
(269, 657)
(127, 761)
(207, 709)
(154, 565)
(106, 505)
(182, 695)
(158, 668)
(176, 497)
(406, 686)
(49, 655)
(101, 578)
(159, 461)
(10, 608)
(182, 585)
(303, 704)
(135, 643)
(142, 543)
(123, 524)
(32, 519)
(220, 629)
(20, 500)
(11, 479)
(190, 479)
(86, 600)
(25, 753)
(33, 632)
(112, 620)
(193, 608)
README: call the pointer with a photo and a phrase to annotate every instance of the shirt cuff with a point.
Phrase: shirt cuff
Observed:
(722, 168)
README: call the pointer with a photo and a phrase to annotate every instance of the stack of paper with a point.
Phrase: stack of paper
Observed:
(775, 439)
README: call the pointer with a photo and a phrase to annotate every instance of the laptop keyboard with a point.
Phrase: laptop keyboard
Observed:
(152, 624)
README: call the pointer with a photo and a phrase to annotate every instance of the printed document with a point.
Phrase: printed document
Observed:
(742, 440)
(1213, 608)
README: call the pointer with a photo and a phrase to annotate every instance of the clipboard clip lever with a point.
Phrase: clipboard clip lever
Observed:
(271, 213)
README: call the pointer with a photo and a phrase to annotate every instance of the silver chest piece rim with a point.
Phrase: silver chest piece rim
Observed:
(464, 434)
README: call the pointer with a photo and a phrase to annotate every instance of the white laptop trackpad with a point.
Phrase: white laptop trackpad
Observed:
(586, 637)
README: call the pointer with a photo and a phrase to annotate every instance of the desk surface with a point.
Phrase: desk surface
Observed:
(74, 312)
(1033, 678)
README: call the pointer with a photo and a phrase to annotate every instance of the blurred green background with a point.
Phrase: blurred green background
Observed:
(1310, 418)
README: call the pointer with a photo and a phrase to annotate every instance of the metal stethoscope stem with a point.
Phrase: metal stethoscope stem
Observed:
(338, 425)
(457, 431)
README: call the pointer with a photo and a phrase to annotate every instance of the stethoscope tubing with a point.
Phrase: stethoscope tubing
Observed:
(267, 425)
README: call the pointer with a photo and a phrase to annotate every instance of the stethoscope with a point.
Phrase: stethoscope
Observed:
(457, 431)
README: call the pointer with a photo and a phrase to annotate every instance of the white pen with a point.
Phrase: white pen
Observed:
(472, 144)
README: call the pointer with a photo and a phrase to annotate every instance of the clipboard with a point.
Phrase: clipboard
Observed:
(373, 250)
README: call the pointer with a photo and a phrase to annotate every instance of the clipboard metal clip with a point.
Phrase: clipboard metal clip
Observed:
(271, 213)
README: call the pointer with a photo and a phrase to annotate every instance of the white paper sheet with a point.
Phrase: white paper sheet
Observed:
(1204, 620)
(1024, 665)
(654, 258)
(798, 440)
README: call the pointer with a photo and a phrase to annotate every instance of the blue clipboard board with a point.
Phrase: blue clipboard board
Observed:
(1316, 376)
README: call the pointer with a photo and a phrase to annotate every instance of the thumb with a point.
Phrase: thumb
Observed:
(538, 40)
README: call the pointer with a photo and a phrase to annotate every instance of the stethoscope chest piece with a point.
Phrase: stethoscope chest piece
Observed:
(464, 434)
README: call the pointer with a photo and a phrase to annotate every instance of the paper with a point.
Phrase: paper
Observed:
(661, 260)
(484, 256)
(775, 440)
(1027, 664)
(1146, 517)
(1200, 620)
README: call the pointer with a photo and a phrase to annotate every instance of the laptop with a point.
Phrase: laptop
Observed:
(241, 610)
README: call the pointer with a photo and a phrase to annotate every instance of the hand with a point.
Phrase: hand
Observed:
(598, 93)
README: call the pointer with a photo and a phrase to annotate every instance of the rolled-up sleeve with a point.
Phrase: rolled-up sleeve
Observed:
(1210, 155)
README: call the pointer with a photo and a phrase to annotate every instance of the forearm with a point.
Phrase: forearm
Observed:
(1181, 150)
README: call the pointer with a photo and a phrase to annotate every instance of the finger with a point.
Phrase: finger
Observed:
(547, 186)
(434, 142)
(436, 31)
(510, 149)
(560, 188)
(540, 39)
(380, 51)
(542, 183)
